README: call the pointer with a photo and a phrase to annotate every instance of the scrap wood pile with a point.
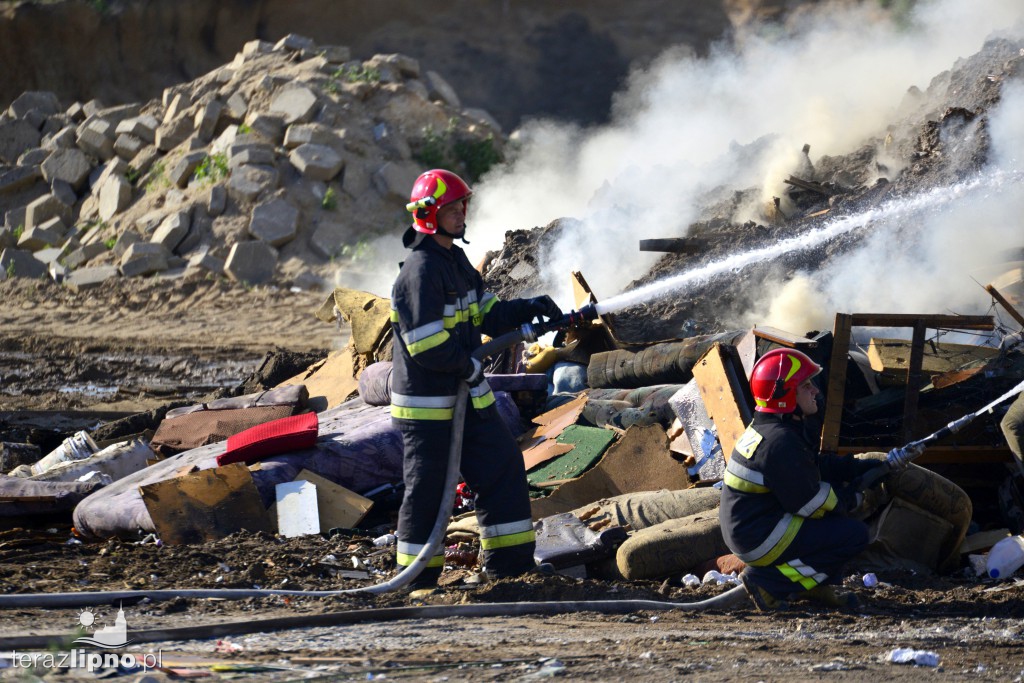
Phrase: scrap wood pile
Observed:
(625, 446)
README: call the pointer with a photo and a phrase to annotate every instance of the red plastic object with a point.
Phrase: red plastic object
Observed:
(270, 438)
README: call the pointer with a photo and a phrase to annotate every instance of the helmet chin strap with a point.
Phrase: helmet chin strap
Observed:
(442, 231)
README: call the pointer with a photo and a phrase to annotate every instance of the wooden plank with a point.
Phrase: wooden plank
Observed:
(1014, 313)
(914, 376)
(338, 507)
(832, 420)
(954, 322)
(789, 339)
(718, 375)
(205, 505)
(808, 185)
(892, 356)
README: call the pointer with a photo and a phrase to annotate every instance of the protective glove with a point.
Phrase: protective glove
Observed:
(543, 305)
(864, 465)
(474, 373)
(899, 458)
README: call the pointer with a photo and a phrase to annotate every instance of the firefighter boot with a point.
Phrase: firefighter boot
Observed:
(827, 595)
(765, 601)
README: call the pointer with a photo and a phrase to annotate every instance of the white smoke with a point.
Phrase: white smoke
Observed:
(738, 119)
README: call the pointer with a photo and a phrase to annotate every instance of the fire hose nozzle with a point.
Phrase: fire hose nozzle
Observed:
(570, 319)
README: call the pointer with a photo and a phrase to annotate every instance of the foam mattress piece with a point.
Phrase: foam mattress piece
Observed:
(357, 448)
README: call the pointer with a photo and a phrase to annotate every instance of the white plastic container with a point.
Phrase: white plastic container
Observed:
(78, 446)
(1006, 557)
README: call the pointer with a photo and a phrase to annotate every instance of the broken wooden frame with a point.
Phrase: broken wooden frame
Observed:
(841, 337)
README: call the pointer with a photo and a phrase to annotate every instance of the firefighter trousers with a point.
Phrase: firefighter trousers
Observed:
(816, 556)
(492, 466)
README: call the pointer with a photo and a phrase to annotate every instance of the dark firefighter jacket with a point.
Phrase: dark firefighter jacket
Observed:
(438, 310)
(774, 481)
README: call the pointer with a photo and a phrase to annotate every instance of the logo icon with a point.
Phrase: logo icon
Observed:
(108, 636)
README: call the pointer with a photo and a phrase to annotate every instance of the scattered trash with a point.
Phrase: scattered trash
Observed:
(691, 581)
(227, 646)
(870, 580)
(906, 655)
(385, 541)
(719, 578)
(1006, 557)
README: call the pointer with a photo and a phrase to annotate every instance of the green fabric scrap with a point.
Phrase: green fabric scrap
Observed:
(589, 444)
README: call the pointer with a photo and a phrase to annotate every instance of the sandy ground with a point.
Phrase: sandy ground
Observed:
(151, 340)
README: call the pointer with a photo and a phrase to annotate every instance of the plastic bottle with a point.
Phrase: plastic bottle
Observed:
(76, 447)
(1006, 557)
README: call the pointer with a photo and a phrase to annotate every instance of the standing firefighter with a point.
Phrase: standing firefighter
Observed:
(438, 310)
(783, 511)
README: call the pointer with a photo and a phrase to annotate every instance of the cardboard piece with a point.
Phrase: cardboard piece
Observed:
(539, 444)
(205, 505)
(337, 506)
(639, 461)
(329, 382)
(368, 314)
(297, 510)
(983, 540)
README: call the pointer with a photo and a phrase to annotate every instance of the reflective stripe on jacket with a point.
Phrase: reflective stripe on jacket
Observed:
(438, 311)
(772, 484)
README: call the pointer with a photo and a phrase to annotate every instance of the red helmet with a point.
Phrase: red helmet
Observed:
(431, 191)
(775, 377)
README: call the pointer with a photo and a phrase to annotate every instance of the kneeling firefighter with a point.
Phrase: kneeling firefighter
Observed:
(438, 310)
(783, 508)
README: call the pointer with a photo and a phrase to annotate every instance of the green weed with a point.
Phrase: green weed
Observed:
(244, 129)
(470, 156)
(158, 179)
(110, 242)
(10, 270)
(212, 168)
(132, 175)
(19, 231)
(356, 74)
(330, 200)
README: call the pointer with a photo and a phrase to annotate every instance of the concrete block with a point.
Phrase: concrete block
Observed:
(17, 136)
(297, 104)
(128, 146)
(252, 262)
(19, 263)
(177, 106)
(268, 126)
(236, 107)
(83, 254)
(247, 183)
(276, 222)
(207, 119)
(40, 237)
(125, 240)
(90, 277)
(484, 117)
(115, 195)
(19, 178)
(144, 258)
(116, 114)
(336, 54)
(33, 157)
(393, 180)
(76, 112)
(186, 166)
(217, 200)
(439, 90)
(62, 139)
(329, 238)
(43, 102)
(47, 255)
(54, 124)
(99, 176)
(407, 66)
(206, 261)
(143, 161)
(310, 133)
(173, 133)
(142, 127)
(7, 237)
(64, 192)
(256, 47)
(43, 209)
(316, 162)
(355, 181)
(259, 154)
(172, 230)
(96, 139)
(92, 107)
(295, 43)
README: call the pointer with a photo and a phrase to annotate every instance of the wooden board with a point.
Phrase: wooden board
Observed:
(205, 505)
(719, 375)
(892, 356)
(338, 507)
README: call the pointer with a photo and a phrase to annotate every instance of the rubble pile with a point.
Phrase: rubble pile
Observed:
(270, 169)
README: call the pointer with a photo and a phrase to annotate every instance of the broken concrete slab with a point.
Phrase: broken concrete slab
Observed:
(40, 210)
(40, 237)
(83, 254)
(252, 262)
(144, 258)
(316, 162)
(275, 222)
(18, 178)
(42, 101)
(247, 183)
(294, 105)
(172, 230)
(20, 263)
(96, 138)
(114, 196)
(16, 137)
(182, 171)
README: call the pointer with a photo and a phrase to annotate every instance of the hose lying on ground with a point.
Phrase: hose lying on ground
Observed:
(734, 597)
